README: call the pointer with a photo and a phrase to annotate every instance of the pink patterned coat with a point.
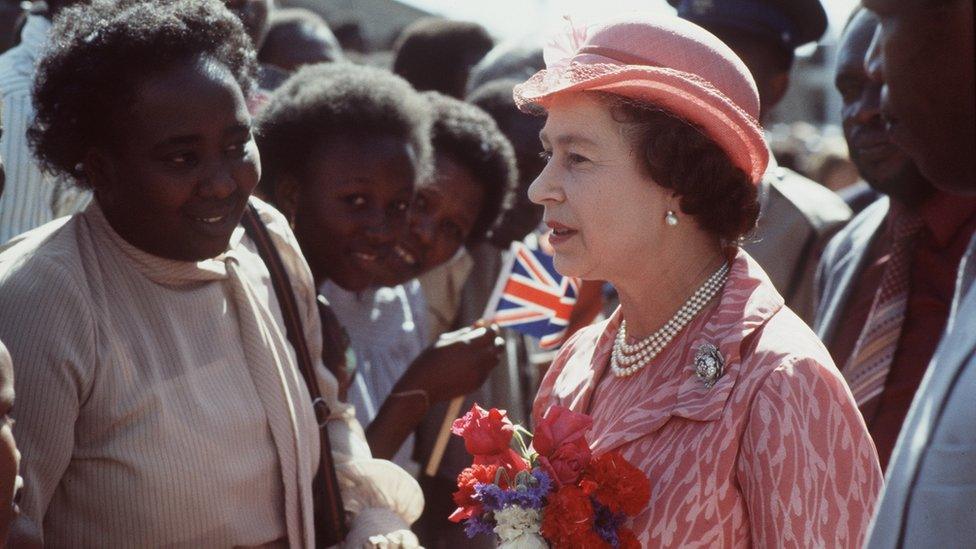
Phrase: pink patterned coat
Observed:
(775, 454)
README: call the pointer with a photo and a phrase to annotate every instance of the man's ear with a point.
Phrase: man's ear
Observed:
(286, 192)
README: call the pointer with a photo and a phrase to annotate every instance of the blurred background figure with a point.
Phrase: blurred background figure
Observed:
(520, 216)
(12, 16)
(298, 37)
(923, 54)
(798, 215)
(437, 54)
(832, 167)
(31, 198)
(512, 60)
(912, 239)
(255, 15)
(490, 89)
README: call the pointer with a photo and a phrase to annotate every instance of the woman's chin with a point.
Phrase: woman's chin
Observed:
(567, 265)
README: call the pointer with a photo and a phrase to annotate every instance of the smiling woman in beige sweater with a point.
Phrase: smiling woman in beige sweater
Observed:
(159, 401)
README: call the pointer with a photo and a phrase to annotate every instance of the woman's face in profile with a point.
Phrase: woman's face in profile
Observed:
(606, 216)
(176, 181)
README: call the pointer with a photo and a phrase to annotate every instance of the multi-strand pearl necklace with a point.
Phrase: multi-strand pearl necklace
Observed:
(628, 359)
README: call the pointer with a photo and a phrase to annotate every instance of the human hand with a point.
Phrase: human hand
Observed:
(400, 539)
(457, 364)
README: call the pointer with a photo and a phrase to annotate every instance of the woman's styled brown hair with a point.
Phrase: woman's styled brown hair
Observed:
(679, 156)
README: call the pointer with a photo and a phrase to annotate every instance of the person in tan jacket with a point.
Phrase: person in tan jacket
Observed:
(798, 216)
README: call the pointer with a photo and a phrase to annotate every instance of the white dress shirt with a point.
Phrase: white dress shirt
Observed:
(30, 198)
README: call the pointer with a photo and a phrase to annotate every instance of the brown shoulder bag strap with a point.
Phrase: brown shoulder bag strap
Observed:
(330, 523)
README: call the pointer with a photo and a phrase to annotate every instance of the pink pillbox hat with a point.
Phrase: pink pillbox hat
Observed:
(664, 61)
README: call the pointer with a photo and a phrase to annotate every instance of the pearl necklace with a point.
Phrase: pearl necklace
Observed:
(628, 359)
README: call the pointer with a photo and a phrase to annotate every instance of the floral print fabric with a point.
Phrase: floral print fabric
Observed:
(775, 454)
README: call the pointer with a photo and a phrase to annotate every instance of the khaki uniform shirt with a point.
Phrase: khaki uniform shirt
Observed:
(798, 218)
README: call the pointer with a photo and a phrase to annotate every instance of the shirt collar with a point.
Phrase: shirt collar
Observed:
(36, 36)
(168, 272)
(945, 215)
(747, 302)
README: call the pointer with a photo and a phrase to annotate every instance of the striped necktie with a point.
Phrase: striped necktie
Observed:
(868, 367)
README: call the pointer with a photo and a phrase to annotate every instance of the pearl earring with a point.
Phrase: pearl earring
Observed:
(671, 219)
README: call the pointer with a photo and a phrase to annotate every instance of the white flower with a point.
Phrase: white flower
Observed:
(525, 541)
(514, 522)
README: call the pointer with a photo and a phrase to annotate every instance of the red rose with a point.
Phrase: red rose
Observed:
(485, 432)
(487, 435)
(568, 517)
(614, 482)
(464, 497)
(510, 459)
(566, 464)
(560, 426)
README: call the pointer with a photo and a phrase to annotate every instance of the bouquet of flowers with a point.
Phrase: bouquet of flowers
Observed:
(550, 493)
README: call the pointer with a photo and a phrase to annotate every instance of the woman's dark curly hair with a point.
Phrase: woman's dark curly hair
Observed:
(678, 155)
(320, 102)
(101, 50)
(472, 139)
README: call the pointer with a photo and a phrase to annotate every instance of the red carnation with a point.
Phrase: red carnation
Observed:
(627, 539)
(614, 482)
(567, 519)
(464, 497)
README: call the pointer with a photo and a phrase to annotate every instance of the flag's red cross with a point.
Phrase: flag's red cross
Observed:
(549, 298)
(536, 294)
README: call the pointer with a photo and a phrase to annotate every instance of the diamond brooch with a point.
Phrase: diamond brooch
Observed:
(709, 364)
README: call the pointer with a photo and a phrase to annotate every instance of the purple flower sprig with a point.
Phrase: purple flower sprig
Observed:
(606, 522)
(529, 492)
(476, 526)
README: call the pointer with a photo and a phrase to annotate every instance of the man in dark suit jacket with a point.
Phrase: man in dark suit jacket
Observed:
(854, 263)
(923, 52)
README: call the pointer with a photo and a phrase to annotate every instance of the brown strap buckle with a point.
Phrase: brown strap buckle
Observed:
(321, 411)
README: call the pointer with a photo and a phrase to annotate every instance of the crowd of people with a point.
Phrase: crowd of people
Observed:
(243, 272)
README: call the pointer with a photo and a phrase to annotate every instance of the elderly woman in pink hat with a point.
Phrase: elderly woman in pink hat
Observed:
(702, 378)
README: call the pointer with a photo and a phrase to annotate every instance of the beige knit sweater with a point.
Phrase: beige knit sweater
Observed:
(137, 416)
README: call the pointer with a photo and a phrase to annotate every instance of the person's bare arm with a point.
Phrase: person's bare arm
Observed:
(456, 365)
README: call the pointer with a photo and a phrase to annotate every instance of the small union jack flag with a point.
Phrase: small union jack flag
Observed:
(531, 297)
